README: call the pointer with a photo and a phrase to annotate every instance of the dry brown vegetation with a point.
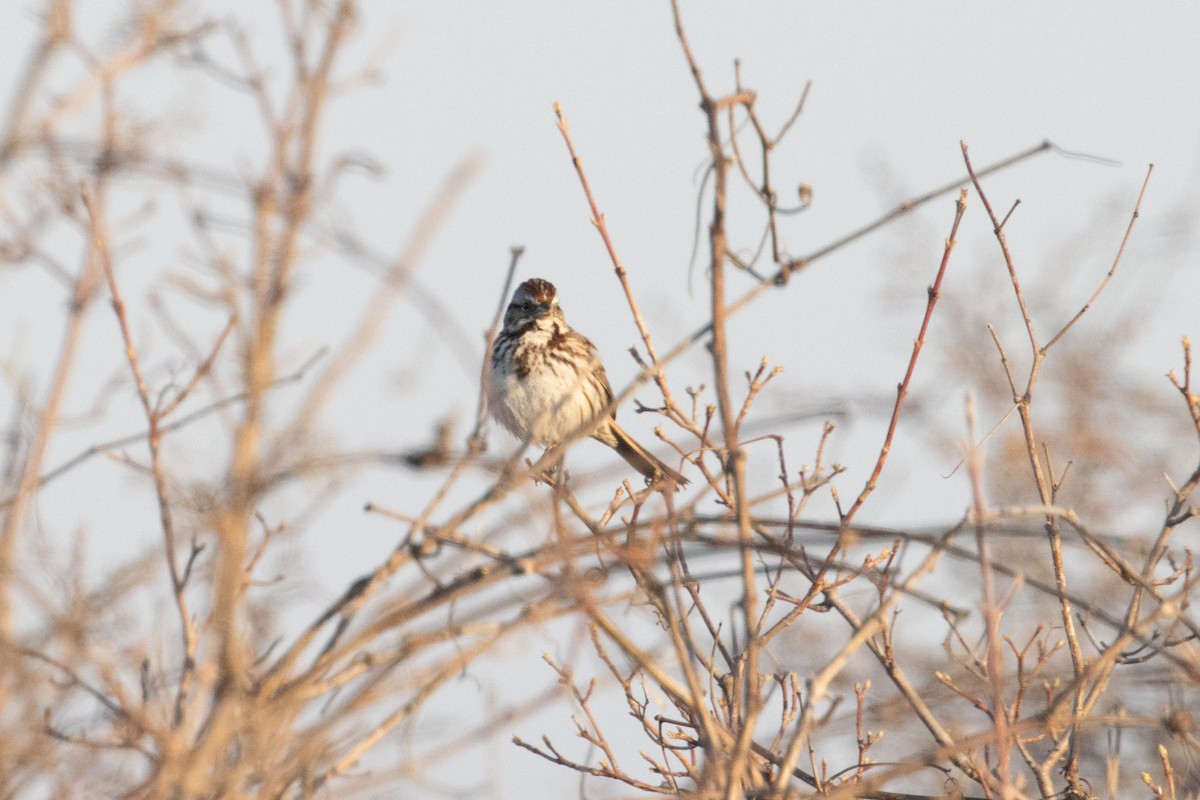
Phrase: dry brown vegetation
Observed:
(728, 641)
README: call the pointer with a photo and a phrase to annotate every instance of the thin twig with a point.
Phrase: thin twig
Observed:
(902, 390)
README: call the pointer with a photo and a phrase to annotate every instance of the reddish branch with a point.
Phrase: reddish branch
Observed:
(902, 390)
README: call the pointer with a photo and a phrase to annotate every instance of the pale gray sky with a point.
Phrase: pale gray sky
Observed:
(895, 87)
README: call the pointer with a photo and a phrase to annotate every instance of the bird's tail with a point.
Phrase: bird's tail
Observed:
(639, 457)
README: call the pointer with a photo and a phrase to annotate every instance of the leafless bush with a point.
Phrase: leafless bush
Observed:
(725, 642)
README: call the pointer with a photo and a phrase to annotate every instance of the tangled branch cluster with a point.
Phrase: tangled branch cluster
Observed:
(711, 639)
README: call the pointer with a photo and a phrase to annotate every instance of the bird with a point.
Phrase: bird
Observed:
(547, 381)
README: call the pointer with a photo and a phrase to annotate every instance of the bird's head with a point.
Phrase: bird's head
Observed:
(535, 302)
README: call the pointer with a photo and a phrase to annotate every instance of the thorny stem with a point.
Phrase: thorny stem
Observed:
(283, 204)
(991, 613)
(622, 275)
(1045, 491)
(749, 693)
(935, 292)
(154, 441)
(84, 292)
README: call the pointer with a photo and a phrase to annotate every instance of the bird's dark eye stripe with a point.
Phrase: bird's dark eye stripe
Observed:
(529, 304)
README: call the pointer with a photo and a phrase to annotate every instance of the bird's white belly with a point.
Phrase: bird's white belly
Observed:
(548, 404)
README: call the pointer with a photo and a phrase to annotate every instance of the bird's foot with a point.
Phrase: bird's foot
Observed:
(547, 470)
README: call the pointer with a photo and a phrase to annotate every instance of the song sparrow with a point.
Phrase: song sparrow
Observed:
(547, 381)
